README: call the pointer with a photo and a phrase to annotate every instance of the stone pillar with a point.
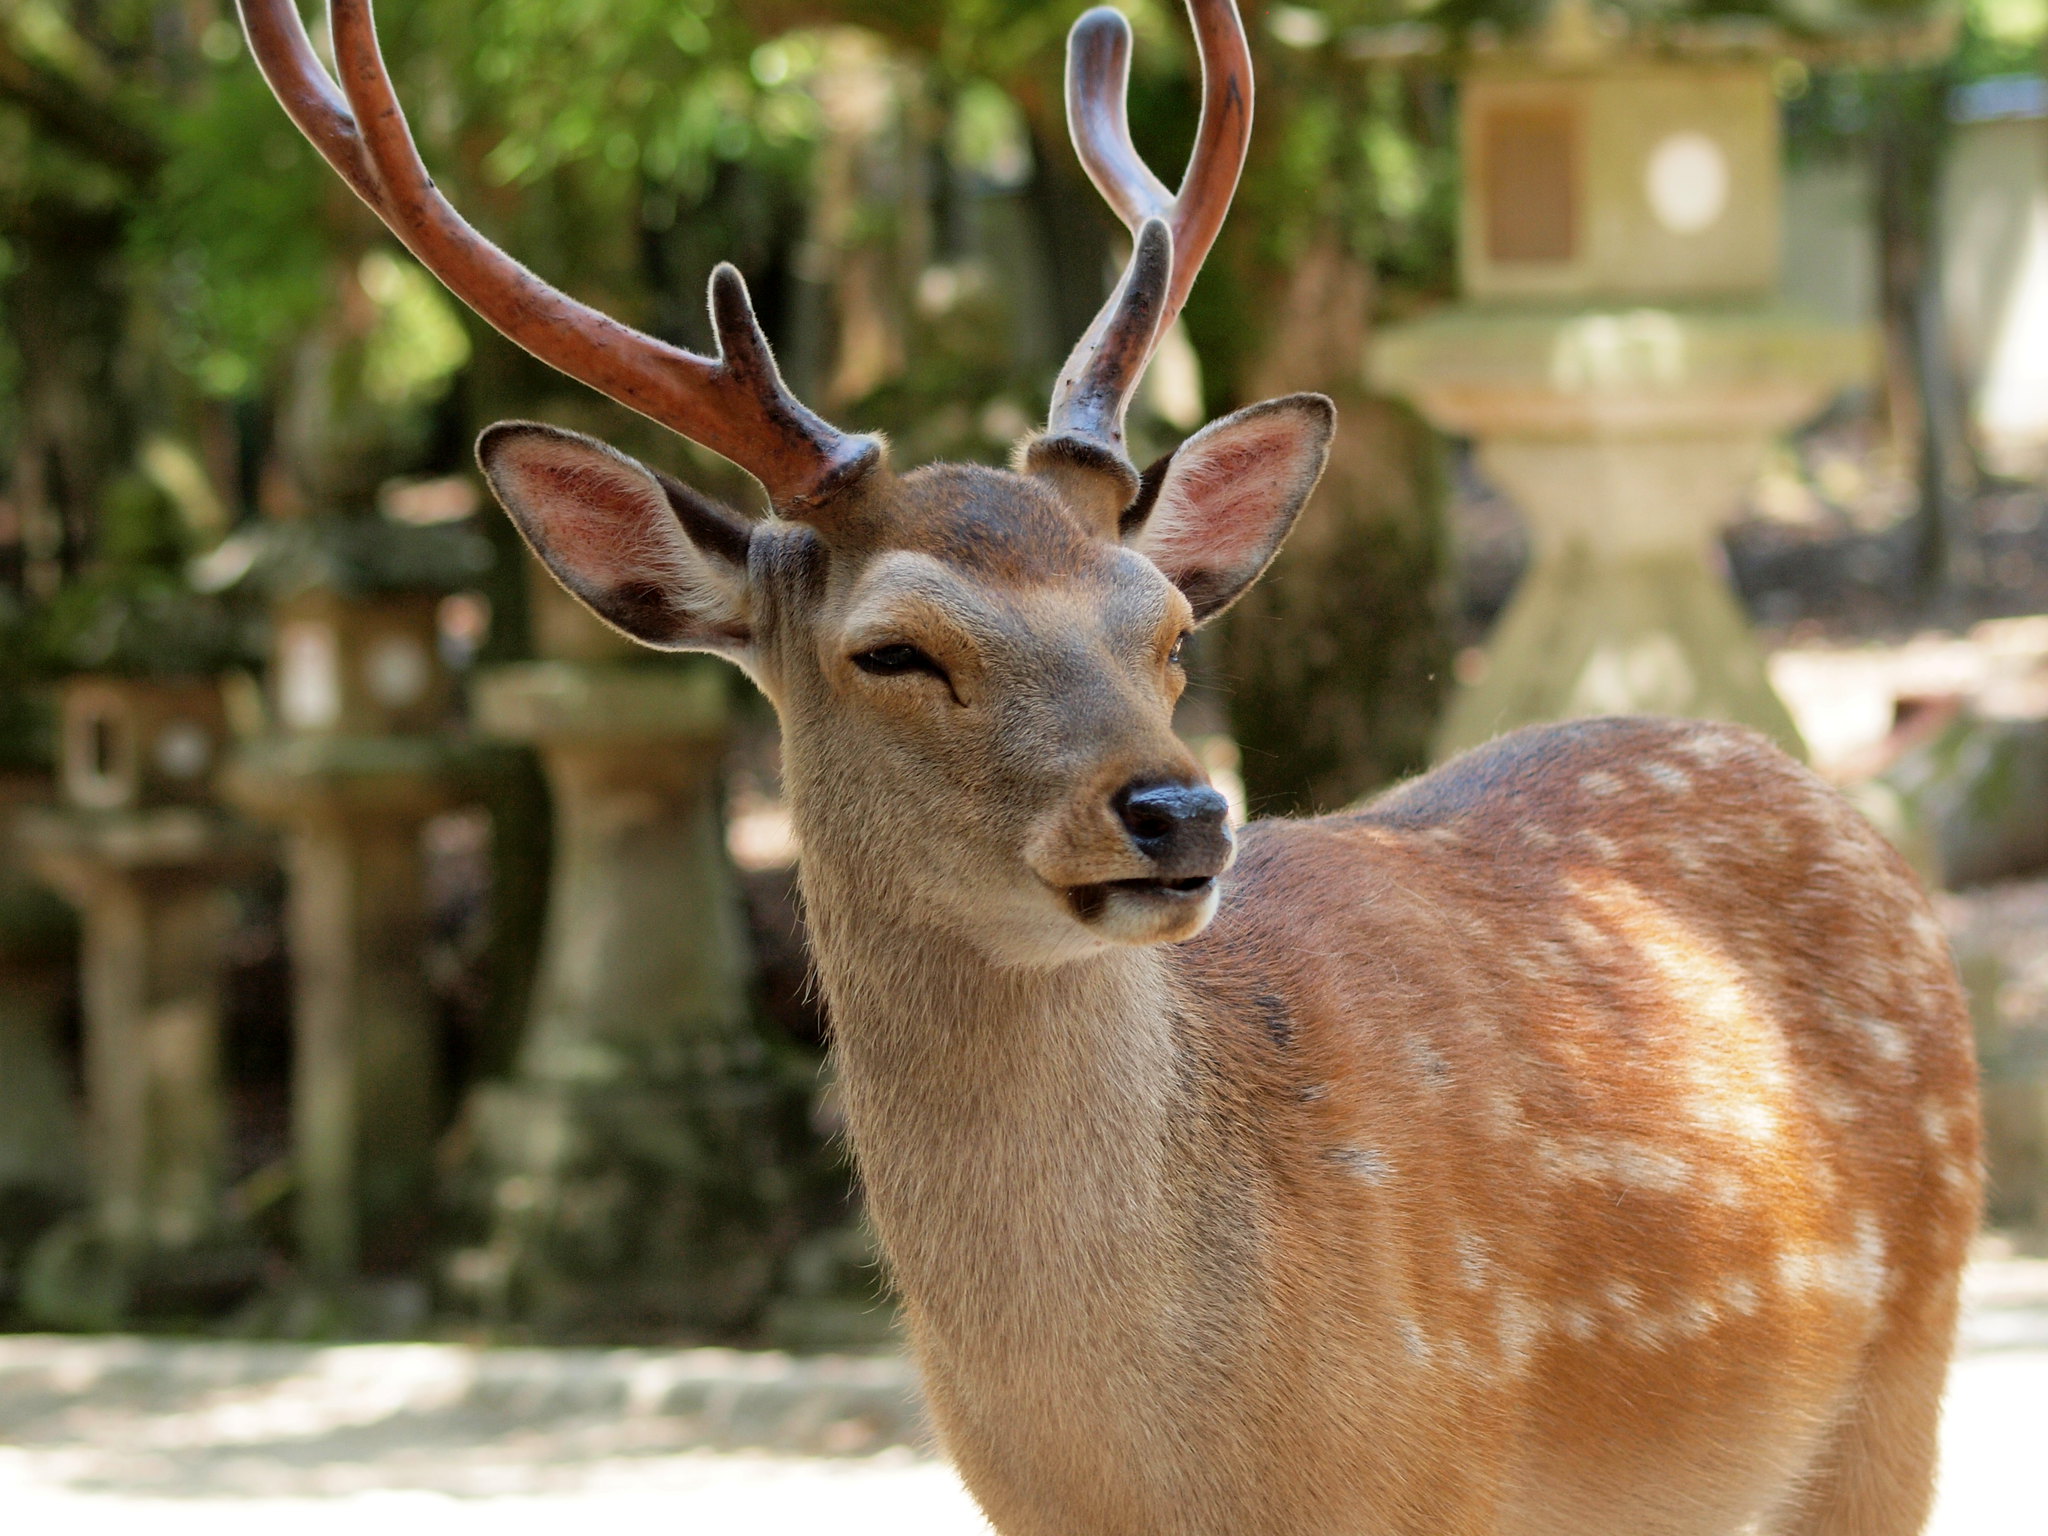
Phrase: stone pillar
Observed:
(148, 885)
(367, 1096)
(1627, 440)
(636, 1159)
(143, 853)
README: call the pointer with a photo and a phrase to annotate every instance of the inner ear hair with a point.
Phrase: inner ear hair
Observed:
(711, 525)
(1133, 516)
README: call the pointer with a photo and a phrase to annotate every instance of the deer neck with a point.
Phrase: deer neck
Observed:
(1033, 1156)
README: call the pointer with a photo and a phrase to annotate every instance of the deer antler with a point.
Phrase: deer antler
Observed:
(734, 404)
(1096, 384)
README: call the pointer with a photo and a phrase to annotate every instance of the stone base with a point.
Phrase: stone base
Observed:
(1585, 635)
(76, 1278)
(635, 1208)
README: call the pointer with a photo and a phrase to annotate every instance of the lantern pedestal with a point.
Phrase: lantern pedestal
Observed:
(1627, 438)
(148, 887)
(632, 1158)
(367, 1101)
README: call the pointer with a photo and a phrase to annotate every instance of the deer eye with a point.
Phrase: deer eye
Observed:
(895, 660)
(1173, 657)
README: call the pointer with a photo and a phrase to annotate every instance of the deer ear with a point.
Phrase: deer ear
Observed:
(645, 553)
(1211, 514)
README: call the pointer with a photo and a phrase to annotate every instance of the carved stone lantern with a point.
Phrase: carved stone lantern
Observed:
(364, 754)
(633, 1159)
(1621, 361)
(145, 855)
(360, 664)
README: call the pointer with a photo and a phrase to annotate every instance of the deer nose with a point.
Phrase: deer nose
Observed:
(1182, 828)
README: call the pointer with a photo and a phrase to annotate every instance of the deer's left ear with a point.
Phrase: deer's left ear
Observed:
(1212, 513)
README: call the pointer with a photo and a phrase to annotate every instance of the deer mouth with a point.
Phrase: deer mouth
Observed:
(1090, 902)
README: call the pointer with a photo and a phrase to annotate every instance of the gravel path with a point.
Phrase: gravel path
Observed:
(124, 1435)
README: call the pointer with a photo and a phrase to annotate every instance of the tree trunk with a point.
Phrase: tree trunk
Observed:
(1337, 659)
(1923, 403)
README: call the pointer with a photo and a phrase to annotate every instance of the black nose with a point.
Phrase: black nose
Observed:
(1182, 828)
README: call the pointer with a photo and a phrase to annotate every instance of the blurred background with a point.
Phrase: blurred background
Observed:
(389, 952)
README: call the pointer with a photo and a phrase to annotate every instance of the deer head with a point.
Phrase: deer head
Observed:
(975, 669)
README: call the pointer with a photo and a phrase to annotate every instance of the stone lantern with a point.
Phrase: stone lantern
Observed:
(145, 855)
(1622, 363)
(362, 758)
(634, 1159)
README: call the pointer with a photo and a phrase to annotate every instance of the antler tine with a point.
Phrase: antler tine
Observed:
(1098, 80)
(1094, 388)
(735, 404)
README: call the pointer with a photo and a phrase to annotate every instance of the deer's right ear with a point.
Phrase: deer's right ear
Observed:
(645, 553)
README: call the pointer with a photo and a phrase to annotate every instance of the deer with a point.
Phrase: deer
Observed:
(1580, 1139)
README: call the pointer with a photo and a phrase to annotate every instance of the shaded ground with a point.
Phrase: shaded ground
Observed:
(122, 1435)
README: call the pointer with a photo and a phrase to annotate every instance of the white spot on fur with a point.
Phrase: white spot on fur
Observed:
(1429, 1063)
(1935, 1124)
(1601, 782)
(1855, 1273)
(1412, 1340)
(1538, 835)
(1504, 1114)
(1601, 846)
(1633, 1164)
(1668, 776)
(1709, 746)
(1621, 1296)
(1474, 1267)
(1885, 1038)
(1578, 1321)
(1835, 1108)
(1740, 1295)
(1521, 1325)
(1929, 932)
(1725, 1188)
(1365, 1164)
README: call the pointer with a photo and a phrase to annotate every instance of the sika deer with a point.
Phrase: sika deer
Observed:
(1581, 1139)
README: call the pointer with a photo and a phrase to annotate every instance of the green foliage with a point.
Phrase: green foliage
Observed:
(233, 250)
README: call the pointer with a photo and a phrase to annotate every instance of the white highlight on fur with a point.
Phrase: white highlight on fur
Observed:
(1602, 783)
